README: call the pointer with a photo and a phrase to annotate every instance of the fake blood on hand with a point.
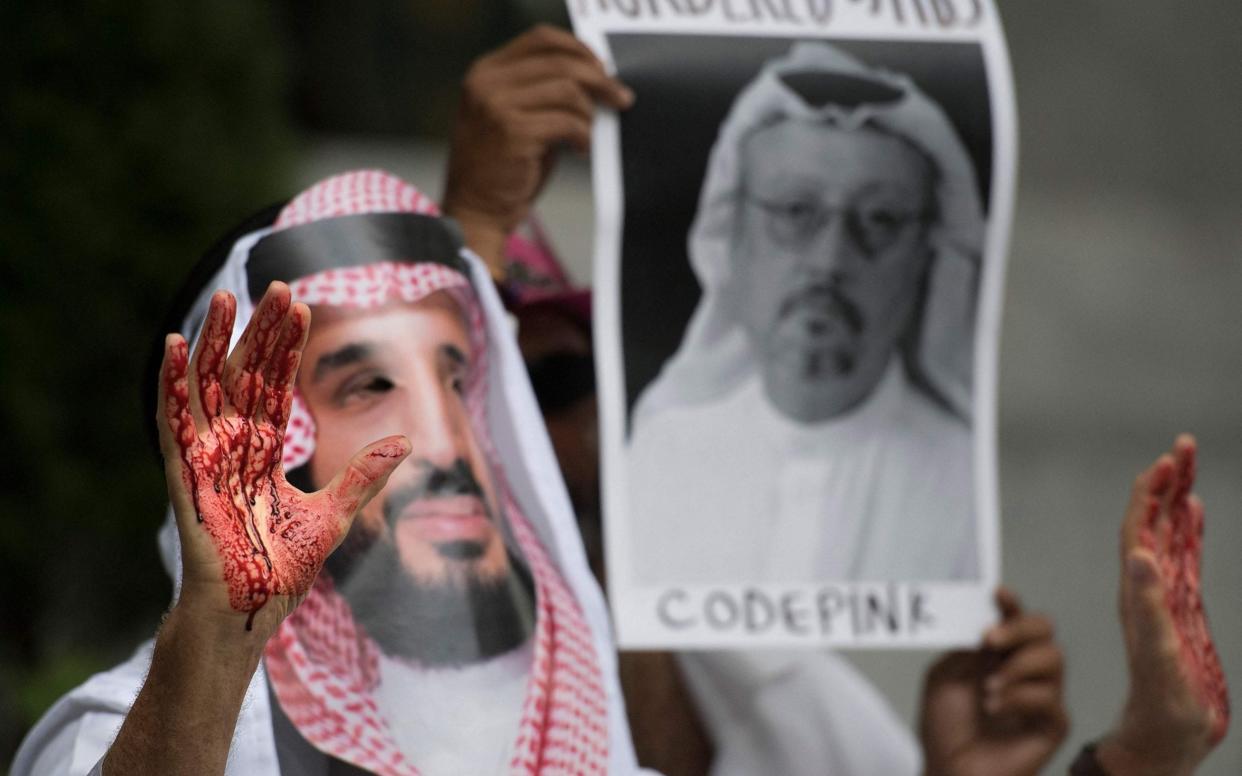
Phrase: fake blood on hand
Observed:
(1177, 544)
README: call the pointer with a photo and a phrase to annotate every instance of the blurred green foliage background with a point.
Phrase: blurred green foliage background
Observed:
(132, 134)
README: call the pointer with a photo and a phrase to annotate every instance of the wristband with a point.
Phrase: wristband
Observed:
(1086, 764)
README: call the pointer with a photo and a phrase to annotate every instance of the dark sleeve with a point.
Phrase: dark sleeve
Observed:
(299, 757)
(1085, 763)
(295, 754)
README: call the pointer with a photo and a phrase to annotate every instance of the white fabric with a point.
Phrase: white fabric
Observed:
(796, 714)
(884, 493)
(787, 713)
(521, 440)
(74, 735)
(715, 356)
(447, 732)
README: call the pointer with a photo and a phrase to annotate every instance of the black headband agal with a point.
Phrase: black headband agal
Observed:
(353, 241)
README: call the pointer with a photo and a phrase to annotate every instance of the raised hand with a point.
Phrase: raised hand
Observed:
(997, 710)
(1178, 707)
(249, 539)
(519, 104)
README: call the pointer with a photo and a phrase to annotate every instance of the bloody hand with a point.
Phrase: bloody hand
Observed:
(1178, 708)
(248, 537)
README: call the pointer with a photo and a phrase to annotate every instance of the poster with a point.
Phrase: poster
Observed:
(801, 227)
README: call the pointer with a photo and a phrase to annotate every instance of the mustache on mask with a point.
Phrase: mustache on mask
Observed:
(457, 479)
(825, 294)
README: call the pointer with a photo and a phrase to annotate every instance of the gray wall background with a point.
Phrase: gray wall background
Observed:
(1122, 323)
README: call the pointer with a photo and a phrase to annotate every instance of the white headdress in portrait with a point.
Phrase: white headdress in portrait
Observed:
(715, 355)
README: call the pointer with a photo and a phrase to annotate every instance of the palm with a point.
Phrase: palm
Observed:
(1179, 550)
(1171, 651)
(226, 420)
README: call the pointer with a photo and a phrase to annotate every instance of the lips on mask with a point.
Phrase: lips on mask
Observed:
(447, 508)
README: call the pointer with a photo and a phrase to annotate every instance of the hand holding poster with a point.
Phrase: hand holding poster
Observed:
(801, 232)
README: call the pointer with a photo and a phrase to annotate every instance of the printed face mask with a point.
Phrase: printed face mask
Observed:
(442, 571)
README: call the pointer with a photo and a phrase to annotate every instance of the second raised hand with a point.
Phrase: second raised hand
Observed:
(1178, 705)
(1171, 533)
(248, 536)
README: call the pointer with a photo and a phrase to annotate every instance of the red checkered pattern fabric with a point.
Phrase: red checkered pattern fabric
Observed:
(352, 193)
(322, 667)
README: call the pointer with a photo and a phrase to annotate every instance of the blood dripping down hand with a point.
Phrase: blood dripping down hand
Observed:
(1178, 708)
(252, 544)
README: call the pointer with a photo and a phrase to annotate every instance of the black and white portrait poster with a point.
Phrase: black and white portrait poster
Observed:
(801, 233)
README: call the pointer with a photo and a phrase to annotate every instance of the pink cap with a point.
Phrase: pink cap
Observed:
(534, 276)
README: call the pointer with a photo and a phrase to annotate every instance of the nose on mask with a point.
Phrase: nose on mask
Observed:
(457, 479)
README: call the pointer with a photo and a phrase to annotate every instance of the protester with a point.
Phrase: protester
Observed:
(457, 629)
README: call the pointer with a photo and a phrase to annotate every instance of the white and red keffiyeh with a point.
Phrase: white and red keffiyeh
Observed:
(321, 670)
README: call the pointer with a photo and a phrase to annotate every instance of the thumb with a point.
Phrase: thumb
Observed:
(365, 475)
(1148, 621)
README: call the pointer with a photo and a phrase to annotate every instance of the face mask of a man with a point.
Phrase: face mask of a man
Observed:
(427, 555)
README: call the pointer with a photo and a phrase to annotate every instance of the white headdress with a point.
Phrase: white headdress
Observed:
(715, 354)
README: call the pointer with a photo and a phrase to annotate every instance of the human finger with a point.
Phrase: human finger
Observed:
(282, 367)
(243, 371)
(1146, 496)
(207, 364)
(1181, 480)
(175, 421)
(1151, 636)
(1174, 533)
(590, 76)
(1192, 542)
(1013, 633)
(548, 127)
(1185, 451)
(1038, 661)
(562, 94)
(544, 38)
(364, 476)
(1007, 602)
(1028, 699)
